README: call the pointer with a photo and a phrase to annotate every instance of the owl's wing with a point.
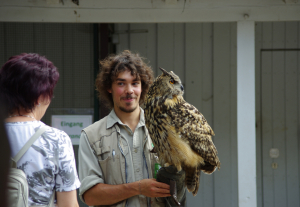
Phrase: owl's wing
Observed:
(193, 127)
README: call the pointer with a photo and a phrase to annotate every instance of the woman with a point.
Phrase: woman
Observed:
(27, 82)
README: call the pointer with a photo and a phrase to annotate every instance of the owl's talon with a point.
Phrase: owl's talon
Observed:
(179, 168)
(173, 191)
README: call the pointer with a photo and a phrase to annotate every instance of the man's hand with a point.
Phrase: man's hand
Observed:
(152, 188)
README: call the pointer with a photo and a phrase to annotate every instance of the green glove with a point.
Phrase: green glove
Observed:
(165, 175)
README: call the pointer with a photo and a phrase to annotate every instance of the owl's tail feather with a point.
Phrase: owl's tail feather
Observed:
(192, 179)
(189, 179)
(197, 179)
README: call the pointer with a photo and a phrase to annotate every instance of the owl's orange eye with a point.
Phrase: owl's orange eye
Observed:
(172, 81)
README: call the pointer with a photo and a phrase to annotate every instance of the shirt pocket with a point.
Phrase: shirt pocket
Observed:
(110, 165)
(104, 156)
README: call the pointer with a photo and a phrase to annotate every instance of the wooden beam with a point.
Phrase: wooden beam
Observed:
(246, 137)
(160, 14)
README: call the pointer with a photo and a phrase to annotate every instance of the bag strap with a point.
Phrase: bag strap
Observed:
(24, 149)
(51, 202)
(28, 145)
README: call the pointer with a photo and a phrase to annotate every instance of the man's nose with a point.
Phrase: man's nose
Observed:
(129, 89)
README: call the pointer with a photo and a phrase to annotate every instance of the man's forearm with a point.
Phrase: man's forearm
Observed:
(105, 194)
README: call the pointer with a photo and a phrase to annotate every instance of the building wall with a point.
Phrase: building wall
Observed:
(277, 112)
(70, 48)
(204, 56)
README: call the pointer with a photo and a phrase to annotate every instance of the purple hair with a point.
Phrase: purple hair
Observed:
(24, 78)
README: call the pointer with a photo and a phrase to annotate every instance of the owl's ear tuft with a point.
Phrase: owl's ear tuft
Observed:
(164, 71)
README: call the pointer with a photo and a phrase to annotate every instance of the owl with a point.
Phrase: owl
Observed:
(180, 133)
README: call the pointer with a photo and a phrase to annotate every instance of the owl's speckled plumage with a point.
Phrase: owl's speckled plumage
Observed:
(180, 133)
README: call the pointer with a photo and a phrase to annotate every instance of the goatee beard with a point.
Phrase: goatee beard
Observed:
(128, 96)
(127, 110)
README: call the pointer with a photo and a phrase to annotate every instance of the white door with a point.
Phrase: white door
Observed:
(280, 124)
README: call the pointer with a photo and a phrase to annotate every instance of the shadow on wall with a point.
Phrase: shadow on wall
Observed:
(5, 157)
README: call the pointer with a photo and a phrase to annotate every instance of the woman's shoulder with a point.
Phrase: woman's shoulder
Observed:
(53, 132)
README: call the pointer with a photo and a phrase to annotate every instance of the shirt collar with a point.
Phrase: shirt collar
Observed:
(112, 119)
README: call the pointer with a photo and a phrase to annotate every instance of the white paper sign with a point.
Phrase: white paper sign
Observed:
(72, 125)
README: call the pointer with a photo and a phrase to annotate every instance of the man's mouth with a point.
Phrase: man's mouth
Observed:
(128, 98)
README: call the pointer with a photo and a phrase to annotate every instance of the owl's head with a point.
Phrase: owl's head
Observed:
(168, 83)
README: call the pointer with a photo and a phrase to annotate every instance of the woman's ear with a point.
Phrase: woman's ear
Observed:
(43, 100)
(40, 100)
(109, 90)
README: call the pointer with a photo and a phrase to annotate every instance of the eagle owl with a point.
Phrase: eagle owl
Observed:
(180, 133)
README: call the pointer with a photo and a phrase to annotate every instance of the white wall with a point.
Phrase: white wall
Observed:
(277, 112)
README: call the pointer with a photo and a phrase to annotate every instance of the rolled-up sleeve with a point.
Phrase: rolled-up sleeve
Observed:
(90, 172)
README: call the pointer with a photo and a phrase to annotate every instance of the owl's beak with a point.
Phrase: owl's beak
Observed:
(182, 88)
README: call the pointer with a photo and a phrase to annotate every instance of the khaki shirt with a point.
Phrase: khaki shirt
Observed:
(135, 162)
(104, 157)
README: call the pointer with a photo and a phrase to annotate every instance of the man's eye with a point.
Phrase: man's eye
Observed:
(172, 81)
(120, 83)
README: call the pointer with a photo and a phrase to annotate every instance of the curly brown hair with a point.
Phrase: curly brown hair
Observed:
(115, 64)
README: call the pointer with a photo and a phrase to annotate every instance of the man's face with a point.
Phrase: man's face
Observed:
(126, 91)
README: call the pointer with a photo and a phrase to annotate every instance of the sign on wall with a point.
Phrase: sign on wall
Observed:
(72, 125)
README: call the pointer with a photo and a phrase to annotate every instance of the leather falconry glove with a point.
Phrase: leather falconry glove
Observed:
(176, 180)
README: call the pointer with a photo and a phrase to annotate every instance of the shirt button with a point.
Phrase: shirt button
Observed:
(138, 170)
(135, 150)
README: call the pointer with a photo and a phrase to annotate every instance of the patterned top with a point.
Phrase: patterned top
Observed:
(49, 163)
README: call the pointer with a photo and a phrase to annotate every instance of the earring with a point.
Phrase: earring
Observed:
(39, 104)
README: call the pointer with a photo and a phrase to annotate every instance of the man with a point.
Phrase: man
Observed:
(115, 163)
